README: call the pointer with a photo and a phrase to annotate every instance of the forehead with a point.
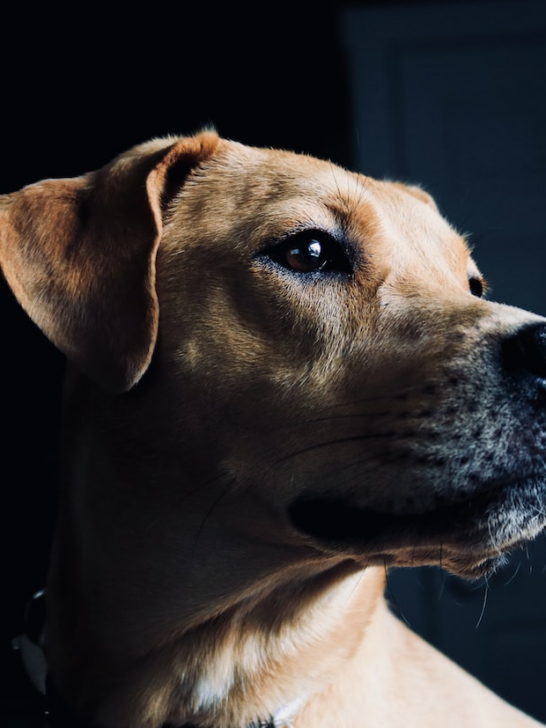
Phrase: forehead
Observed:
(258, 195)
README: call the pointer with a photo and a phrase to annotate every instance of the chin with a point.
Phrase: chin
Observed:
(470, 537)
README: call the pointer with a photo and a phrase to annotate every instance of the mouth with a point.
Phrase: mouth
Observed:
(469, 537)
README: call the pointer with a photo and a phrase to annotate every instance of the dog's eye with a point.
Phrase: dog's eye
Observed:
(477, 286)
(310, 252)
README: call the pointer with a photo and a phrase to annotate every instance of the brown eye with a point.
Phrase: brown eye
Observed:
(310, 252)
(305, 257)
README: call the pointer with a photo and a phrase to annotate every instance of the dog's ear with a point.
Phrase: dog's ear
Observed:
(79, 255)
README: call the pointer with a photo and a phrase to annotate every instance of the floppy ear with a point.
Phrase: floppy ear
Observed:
(79, 255)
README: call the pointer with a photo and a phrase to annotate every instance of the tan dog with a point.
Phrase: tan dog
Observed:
(283, 379)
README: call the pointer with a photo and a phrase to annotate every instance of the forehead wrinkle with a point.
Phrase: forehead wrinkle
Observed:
(326, 189)
(350, 190)
(351, 205)
(325, 201)
(298, 214)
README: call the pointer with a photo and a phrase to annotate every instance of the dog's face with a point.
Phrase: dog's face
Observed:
(325, 363)
(336, 340)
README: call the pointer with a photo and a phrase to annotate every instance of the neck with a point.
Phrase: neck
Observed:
(268, 658)
(258, 662)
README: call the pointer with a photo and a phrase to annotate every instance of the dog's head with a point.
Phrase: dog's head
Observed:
(307, 347)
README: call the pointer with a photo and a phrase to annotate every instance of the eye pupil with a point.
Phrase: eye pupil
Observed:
(306, 256)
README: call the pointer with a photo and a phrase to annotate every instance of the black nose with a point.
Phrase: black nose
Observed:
(525, 352)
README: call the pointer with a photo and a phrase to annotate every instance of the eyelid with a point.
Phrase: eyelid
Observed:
(322, 235)
(298, 233)
(342, 257)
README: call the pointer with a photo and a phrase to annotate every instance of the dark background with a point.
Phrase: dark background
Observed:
(78, 89)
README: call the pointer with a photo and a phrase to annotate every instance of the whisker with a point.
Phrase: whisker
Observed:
(396, 395)
(204, 522)
(442, 572)
(516, 571)
(329, 443)
(183, 496)
(348, 416)
(484, 603)
(357, 584)
(298, 424)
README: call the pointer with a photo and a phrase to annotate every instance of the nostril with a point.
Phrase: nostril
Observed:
(525, 351)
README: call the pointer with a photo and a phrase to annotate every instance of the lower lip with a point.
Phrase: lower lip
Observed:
(336, 523)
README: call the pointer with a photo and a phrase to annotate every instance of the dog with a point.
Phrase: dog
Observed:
(283, 379)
